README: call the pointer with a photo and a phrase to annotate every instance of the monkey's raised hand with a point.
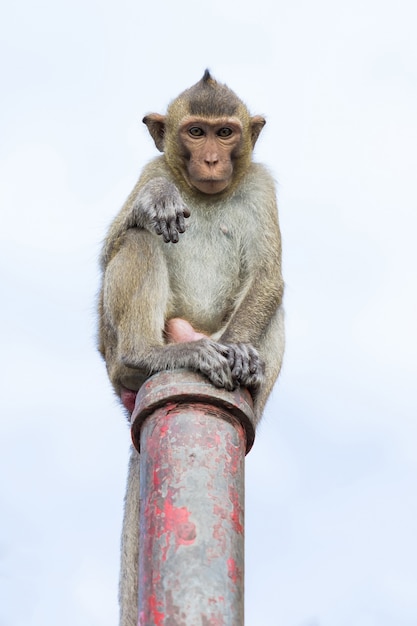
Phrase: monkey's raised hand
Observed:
(247, 367)
(159, 206)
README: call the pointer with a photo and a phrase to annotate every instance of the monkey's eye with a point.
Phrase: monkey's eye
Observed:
(225, 132)
(195, 131)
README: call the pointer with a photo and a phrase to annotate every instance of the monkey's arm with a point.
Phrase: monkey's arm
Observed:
(243, 338)
(154, 204)
(260, 301)
(262, 295)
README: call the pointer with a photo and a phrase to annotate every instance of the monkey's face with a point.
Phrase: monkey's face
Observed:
(209, 149)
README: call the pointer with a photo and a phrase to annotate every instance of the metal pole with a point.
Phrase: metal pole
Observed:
(193, 438)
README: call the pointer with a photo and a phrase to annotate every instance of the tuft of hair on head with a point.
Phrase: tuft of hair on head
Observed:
(208, 97)
(207, 77)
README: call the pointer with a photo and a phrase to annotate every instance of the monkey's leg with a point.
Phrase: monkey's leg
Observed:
(135, 300)
(177, 330)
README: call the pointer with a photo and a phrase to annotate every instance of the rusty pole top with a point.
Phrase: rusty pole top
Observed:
(185, 387)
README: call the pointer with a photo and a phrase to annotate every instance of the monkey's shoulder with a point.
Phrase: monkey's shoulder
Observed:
(255, 199)
(258, 183)
(155, 168)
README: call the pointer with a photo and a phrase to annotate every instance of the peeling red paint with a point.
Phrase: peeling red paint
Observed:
(156, 477)
(219, 530)
(220, 535)
(219, 511)
(216, 600)
(158, 617)
(234, 451)
(233, 571)
(237, 513)
(176, 520)
(213, 620)
(164, 430)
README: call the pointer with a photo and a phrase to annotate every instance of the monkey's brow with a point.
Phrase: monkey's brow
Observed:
(224, 120)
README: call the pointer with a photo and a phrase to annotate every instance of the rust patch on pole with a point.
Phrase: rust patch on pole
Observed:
(193, 438)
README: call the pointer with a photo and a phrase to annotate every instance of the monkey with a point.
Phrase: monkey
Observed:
(191, 271)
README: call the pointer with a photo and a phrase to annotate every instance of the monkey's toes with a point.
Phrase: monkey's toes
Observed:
(221, 380)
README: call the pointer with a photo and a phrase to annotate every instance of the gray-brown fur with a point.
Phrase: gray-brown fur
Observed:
(210, 98)
(216, 264)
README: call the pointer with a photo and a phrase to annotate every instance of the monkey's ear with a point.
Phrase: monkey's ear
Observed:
(257, 123)
(156, 126)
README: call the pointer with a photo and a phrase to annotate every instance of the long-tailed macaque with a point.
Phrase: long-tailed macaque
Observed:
(192, 270)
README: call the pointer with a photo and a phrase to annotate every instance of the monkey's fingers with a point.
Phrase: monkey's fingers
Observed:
(171, 226)
(167, 228)
(237, 360)
(255, 381)
(221, 378)
(231, 353)
(227, 351)
(246, 366)
(215, 365)
(172, 231)
(181, 220)
(240, 369)
(158, 227)
(256, 374)
(256, 364)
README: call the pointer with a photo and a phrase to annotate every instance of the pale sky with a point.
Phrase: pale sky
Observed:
(331, 497)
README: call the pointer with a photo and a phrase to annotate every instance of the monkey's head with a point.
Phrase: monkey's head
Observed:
(207, 136)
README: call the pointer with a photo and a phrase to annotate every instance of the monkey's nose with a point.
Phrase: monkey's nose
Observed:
(211, 160)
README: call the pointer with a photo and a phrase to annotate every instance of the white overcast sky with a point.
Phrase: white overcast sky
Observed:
(331, 502)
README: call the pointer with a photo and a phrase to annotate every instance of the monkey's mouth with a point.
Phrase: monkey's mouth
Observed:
(212, 180)
(211, 185)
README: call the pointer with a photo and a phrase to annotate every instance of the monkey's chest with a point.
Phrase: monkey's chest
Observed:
(206, 276)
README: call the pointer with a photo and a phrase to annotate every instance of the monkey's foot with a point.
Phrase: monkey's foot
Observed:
(247, 367)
